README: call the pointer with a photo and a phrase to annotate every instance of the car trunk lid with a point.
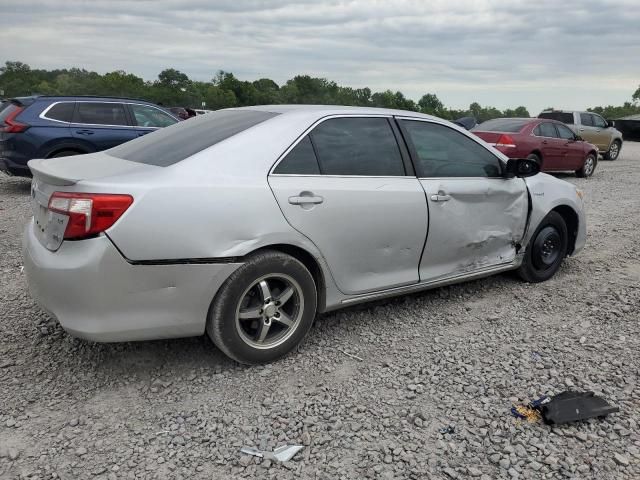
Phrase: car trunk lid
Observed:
(67, 174)
(489, 137)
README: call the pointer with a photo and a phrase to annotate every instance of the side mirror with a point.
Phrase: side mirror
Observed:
(521, 167)
(578, 138)
(610, 123)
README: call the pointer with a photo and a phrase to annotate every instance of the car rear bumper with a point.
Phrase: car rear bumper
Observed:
(96, 294)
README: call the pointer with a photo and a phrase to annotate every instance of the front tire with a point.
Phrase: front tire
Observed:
(264, 309)
(546, 250)
(588, 167)
(614, 150)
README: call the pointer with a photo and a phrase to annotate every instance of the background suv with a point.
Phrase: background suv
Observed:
(46, 127)
(592, 128)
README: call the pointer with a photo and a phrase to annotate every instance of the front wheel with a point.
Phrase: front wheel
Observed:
(264, 309)
(546, 250)
(588, 167)
(614, 150)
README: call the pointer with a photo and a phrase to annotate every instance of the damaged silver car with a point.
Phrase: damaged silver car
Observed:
(245, 223)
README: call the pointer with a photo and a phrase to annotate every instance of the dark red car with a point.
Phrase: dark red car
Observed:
(551, 143)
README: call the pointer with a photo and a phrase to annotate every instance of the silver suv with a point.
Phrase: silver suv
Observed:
(592, 128)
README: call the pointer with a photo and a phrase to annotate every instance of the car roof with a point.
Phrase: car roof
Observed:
(77, 97)
(325, 110)
(90, 97)
(566, 111)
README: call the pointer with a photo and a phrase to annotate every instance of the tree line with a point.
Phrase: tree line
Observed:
(175, 88)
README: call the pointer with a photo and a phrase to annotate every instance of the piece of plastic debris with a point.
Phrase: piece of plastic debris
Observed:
(447, 429)
(572, 406)
(282, 454)
(351, 355)
(531, 411)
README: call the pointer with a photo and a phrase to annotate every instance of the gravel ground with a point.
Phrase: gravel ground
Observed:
(456, 356)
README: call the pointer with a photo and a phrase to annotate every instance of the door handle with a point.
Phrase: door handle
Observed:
(84, 132)
(582, 129)
(440, 197)
(544, 142)
(305, 199)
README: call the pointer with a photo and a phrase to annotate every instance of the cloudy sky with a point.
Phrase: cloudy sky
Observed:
(505, 53)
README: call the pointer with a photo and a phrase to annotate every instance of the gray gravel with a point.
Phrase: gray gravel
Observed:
(456, 356)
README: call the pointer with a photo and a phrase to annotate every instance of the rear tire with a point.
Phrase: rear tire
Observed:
(588, 167)
(546, 250)
(64, 153)
(264, 309)
(535, 158)
(614, 150)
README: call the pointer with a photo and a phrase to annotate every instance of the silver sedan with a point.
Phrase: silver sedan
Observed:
(245, 223)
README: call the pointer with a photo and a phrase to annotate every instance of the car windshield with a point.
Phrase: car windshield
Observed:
(175, 143)
(512, 125)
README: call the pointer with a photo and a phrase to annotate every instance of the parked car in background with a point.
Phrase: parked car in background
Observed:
(592, 127)
(47, 127)
(246, 222)
(629, 126)
(553, 145)
(179, 112)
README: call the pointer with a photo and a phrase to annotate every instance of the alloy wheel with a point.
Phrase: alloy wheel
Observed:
(269, 311)
(588, 166)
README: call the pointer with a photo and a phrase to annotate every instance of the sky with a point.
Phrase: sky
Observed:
(569, 54)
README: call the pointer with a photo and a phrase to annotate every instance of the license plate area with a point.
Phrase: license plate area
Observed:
(48, 226)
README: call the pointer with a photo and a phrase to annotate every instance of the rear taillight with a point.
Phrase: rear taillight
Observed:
(505, 141)
(11, 125)
(89, 213)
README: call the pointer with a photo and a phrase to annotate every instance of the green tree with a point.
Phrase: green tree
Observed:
(173, 78)
(431, 104)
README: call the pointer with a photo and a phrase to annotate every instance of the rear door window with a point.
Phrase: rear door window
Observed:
(173, 144)
(62, 112)
(151, 117)
(301, 160)
(357, 146)
(100, 113)
(547, 129)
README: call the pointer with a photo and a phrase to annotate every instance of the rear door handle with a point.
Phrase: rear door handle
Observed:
(440, 197)
(305, 199)
(84, 132)
(544, 142)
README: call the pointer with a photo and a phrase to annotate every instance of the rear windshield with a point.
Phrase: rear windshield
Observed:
(6, 109)
(175, 143)
(512, 125)
(560, 116)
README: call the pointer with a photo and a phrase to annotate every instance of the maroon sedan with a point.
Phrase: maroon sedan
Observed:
(551, 143)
